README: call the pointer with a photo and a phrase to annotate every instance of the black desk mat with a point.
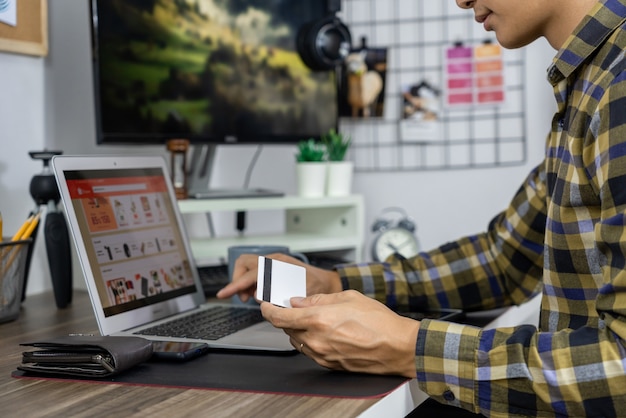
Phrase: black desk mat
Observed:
(283, 374)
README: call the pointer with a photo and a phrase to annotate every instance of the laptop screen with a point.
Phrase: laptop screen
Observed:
(131, 237)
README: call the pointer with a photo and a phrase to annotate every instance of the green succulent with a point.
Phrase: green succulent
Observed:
(310, 151)
(336, 144)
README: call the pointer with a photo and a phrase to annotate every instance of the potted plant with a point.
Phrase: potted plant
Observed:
(339, 172)
(337, 145)
(310, 151)
(310, 168)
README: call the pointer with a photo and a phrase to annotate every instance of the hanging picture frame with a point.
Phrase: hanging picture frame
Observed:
(420, 113)
(362, 84)
(24, 27)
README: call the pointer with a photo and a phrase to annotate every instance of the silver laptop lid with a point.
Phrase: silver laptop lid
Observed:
(129, 237)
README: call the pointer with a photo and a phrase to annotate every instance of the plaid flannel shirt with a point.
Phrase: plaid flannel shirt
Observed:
(564, 234)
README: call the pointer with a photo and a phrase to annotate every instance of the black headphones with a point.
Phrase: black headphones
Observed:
(382, 223)
(324, 44)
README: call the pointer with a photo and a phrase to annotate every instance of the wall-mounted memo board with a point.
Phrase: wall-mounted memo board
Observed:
(29, 34)
(417, 35)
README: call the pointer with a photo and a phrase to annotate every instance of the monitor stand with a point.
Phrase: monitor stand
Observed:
(199, 176)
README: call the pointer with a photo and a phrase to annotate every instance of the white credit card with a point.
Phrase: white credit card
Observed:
(277, 281)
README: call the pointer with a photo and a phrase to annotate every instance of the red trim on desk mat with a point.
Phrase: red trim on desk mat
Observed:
(285, 375)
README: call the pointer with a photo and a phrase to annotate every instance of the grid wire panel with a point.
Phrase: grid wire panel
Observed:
(416, 34)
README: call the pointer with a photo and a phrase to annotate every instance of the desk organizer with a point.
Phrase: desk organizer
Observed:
(13, 255)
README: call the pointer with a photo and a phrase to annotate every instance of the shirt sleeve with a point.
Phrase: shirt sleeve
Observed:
(500, 267)
(522, 371)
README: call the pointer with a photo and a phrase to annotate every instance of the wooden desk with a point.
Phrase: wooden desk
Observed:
(40, 319)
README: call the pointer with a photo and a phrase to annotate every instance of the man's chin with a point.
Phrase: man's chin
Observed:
(512, 43)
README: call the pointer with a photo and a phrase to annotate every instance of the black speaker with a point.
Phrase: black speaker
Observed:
(323, 44)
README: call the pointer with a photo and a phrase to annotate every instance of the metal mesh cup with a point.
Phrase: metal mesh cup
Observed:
(12, 269)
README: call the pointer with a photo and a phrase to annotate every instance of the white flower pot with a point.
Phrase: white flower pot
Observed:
(339, 178)
(311, 177)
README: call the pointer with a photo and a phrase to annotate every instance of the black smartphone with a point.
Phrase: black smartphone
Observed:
(178, 351)
(441, 314)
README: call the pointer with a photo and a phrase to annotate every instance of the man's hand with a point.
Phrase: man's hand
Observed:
(349, 331)
(245, 276)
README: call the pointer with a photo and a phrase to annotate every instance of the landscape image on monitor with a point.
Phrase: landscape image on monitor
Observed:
(222, 70)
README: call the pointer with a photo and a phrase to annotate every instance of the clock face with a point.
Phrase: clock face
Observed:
(395, 240)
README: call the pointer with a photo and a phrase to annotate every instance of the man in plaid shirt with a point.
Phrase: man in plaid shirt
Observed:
(564, 234)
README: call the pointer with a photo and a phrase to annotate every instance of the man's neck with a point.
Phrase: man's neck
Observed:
(570, 14)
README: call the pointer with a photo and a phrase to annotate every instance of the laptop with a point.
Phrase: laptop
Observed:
(136, 258)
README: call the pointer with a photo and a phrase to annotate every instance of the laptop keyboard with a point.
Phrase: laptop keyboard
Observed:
(210, 324)
(213, 278)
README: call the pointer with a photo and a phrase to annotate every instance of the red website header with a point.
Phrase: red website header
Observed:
(90, 188)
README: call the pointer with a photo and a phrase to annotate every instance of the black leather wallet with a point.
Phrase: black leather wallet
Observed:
(86, 356)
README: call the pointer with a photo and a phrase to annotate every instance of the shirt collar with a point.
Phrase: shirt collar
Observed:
(589, 35)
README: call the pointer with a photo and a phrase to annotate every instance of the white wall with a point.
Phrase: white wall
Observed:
(21, 130)
(48, 102)
(449, 204)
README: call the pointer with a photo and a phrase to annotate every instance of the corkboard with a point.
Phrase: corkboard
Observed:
(30, 35)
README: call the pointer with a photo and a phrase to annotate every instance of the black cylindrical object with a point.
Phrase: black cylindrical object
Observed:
(59, 257)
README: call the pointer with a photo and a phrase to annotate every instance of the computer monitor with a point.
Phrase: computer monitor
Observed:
(210, 71)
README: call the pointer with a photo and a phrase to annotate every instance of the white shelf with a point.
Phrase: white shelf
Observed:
(311, 225)
(257, 203)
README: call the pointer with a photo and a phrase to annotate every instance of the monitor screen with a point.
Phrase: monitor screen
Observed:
(211, 71)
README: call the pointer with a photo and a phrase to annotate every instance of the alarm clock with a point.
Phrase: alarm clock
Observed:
(394, 237)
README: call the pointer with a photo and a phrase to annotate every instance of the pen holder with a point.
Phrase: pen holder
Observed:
(12, 272)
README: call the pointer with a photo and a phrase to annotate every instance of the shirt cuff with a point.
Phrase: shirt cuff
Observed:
(445, 359)
(367, 278)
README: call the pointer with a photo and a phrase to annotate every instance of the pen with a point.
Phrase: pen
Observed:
(27, 223)
(25, 231)
(31, 226)
(20, 231)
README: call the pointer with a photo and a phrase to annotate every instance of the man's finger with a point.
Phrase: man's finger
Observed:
(296, 317)
(282, 317)
(319, 299)
(235, 287)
